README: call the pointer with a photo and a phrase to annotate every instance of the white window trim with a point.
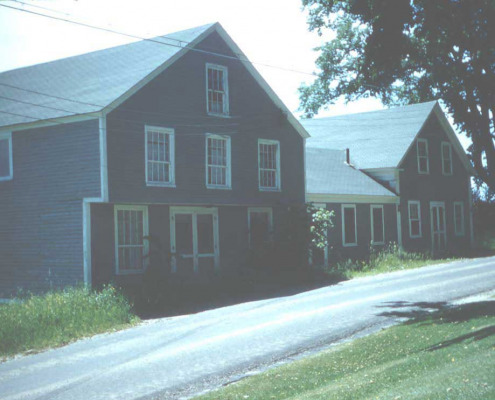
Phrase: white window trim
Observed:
(228, 174)
(380, 207)
(171, 133)
(427, 156)
(449, 146)
(351, 244)
(10, 176)
(462, 230)
(278, 188)
(267, 210)
(225, 85)
(418, 203)
(144, 209)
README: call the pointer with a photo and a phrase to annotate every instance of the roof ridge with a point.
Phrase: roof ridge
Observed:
(166, 36)
(432, 102)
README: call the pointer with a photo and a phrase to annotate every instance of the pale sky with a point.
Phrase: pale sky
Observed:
(273, 32)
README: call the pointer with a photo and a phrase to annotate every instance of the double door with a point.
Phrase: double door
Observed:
(194, 239)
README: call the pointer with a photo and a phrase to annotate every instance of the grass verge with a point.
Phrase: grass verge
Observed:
(57, 318)
(445, 354)
(388, 259)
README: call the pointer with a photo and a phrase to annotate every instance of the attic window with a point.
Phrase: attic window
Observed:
(446, 158)
(217, 94)
(5, 156)
(422, 152)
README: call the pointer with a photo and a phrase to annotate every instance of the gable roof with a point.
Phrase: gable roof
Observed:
(101, 80)
(328, 173)
(379, 139)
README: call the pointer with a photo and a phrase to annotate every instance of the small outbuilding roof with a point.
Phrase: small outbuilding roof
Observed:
(327, 172)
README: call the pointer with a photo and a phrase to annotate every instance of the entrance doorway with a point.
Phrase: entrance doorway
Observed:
(438, 231)
(194, 239)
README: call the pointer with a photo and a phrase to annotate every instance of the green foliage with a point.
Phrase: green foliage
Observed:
(321, 223)
(409, 51)
(380, 260)
(59, 317)
(443, 353)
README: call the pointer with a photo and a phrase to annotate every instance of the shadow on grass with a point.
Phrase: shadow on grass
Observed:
(431, 313)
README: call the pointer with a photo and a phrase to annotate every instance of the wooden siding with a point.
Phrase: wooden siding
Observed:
(41, 244)
(434, 187)
(177, 99)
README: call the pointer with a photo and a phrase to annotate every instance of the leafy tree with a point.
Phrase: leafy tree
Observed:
(409, 51)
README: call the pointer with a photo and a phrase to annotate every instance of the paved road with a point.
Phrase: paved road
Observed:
(174, 358)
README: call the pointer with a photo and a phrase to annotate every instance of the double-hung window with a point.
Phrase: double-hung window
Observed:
(269, 164)
(159, 156)
(446, 158)
(217, 93)
(6, 165)
(131, 229)
(422, 153)
(414, 219)
(377, 225)
(218, 163)
(459, 218)
(349, 229)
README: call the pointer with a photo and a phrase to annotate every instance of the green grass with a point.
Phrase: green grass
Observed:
(57, 318)
(446, 354)
(389, 259)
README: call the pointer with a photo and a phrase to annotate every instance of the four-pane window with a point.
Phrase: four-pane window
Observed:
(131, 228)
(217, 161)
(414, 219)
(217, 90)
(422, 153)
(159, 156)
(269, 164)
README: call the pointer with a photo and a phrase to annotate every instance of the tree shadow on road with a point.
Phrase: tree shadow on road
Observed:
(431, 313)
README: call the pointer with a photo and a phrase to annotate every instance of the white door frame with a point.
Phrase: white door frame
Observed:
(441, 205)
(194, 212)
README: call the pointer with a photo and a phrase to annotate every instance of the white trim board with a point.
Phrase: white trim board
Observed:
(351, 198)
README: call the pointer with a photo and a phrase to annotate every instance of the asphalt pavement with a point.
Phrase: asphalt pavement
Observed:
(176, 358)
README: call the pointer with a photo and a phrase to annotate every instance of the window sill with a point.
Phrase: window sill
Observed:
(415, 237)
(133, 272)
(377, 243)
(6, 178)
(270, 189)
(424, 173)
(219, 187)
(158, 184)
(349, 244)
(218, 115)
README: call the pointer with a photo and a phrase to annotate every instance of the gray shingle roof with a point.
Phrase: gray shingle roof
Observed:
(377, 139)
(98, 78)
(328, 173)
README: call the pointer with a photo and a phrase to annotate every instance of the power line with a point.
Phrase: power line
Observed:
(129, 35)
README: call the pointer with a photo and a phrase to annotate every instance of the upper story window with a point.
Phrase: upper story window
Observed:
(159, 156)
(349, 229)
(446, 158)
(269, 164)
(422, 152)
(218, 163)
(131, 229)
(459, 218)
(6, 166)
(414, 219)
(217, 93)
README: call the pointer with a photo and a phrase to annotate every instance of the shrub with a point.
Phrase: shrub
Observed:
(59, 317)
